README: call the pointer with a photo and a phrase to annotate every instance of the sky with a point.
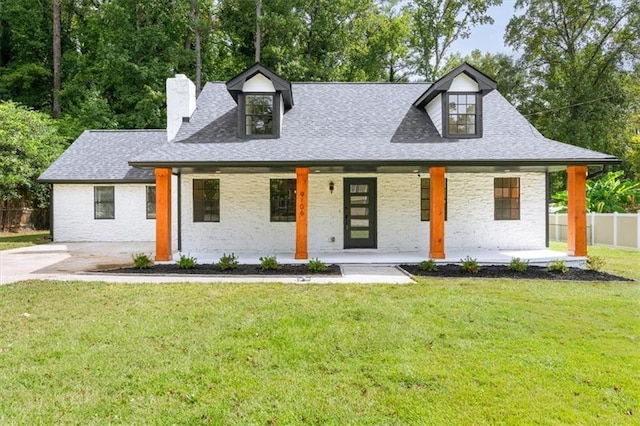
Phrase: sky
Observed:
(488, 38)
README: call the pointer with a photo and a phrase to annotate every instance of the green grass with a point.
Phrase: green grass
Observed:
(439, 352)
(9, 240)
(624, 262)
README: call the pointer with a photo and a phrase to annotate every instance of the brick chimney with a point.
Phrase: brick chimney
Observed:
(181, 102)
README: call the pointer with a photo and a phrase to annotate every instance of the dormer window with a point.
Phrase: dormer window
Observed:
(259, 117)
(462, 115)
(263, 98)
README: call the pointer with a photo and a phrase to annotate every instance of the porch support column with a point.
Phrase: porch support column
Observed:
(163, 214)
(302, 190)
(436, 212)
(576, 210)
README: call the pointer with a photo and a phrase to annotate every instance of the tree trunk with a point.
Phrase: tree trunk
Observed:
(258, 29)
(57, 52)
(196, 26)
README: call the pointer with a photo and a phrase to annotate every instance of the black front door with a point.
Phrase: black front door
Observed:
(360, 213)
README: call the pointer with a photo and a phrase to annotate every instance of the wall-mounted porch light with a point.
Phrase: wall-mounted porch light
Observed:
(331, 187)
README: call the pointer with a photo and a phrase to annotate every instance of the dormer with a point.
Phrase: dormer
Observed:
(262, 97)
(454, 102)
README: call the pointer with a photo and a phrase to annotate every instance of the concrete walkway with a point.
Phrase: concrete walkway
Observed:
(75, 261)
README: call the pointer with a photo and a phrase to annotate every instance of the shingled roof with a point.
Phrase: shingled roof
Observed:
(103, 155)
(339, 123)
(331, 124)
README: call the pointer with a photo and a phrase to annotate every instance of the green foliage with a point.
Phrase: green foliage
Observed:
(29, 142)
(316, 265)
(596, 263)
(141, 261)
(469, 264)
(518, 265)
(429, 265)
(269, 263)
(186, 262)
(608, 194)
(558, 265)
(228, 262)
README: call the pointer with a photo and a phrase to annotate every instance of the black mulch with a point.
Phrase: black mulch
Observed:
(532, 272)
(167, 269)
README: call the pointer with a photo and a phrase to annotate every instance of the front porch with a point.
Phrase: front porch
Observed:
(369, 257)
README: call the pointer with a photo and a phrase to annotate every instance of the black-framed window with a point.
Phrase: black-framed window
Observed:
(506, 198)
(283, 200)
(462, 115)
(259, 115)
(425, 199)
(104, 202)
(151, 202)
(206, 200)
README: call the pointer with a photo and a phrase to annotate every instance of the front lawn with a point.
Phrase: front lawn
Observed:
(443, 351)
(11, 240)
(619, 261)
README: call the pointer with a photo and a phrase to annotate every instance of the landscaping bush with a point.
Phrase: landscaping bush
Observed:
(469, 264)
(228, 262)
(269, 263)
(141, 261)
(595, 263)
(518, 265)
(428, 266)
(317, 265)
(558, 266)
(186, 262)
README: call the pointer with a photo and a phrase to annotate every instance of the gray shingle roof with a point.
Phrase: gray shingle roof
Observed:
(330, 124)
(367, 122)
(103, 155)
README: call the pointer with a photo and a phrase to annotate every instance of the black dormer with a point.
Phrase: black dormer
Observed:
(454, 102)
(262, 97)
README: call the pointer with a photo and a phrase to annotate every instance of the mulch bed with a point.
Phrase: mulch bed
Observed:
(285, 270)
(532, 272)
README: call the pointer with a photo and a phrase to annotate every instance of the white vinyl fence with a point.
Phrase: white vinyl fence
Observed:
(607, 229)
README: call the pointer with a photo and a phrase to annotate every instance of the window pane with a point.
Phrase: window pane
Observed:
(359, 199)
(206, 200)
(359, 211)
(104, 205)
(283, 200)
(359, 222)
(506, 198)
(151, 202)
(359, 188)
(359, 233)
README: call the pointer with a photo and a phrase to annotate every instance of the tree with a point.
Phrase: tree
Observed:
(610, 193)
(29, 142)
(437, 24)
(57, 53)
(576, 53)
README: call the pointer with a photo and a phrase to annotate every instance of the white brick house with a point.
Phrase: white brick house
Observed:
(367, 167)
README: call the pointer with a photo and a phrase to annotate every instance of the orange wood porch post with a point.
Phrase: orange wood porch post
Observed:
(436, 213)
(163, 214)
(577, 210)
(302, 201)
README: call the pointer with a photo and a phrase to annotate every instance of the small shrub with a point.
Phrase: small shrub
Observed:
(228, 262)
(269, 263)
(141, 261)
(558, 266)
(317, 265)
(186, 262)
(428, 266)
(470, 265)
(595, 263)
(518, 265)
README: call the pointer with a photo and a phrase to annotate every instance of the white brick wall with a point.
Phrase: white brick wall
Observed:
(74, 216)
(245, 224)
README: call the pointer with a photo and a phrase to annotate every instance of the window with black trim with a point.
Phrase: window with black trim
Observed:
(506, 198)
(151, 202)
(259, 117)
(283, 200)
(206, 200)
(463, 115)
(425, 199)
(104, 202)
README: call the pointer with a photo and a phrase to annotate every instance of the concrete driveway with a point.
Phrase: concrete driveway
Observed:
(77, 261)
